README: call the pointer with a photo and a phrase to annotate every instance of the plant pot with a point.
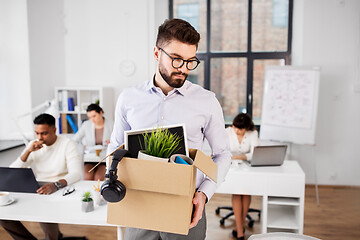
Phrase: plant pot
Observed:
(87, 206)
(142, 155)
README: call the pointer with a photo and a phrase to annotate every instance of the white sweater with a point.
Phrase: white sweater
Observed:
(61, 160)
(249, 141)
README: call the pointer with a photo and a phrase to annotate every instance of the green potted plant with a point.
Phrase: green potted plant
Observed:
(159, 145)
(87, 203)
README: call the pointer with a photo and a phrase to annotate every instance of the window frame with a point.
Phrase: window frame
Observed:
(249, 55)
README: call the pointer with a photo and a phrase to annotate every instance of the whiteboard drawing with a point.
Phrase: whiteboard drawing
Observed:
(290, 104)
(288, 98)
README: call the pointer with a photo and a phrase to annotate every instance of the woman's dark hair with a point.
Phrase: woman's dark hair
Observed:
(177, 29)
(94, 107)
(243, 120)
(44, 118)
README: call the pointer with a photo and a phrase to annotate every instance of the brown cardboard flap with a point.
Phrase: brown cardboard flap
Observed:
(161, 177)
(204, 163)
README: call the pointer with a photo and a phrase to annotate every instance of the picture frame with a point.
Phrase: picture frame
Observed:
(132, 137)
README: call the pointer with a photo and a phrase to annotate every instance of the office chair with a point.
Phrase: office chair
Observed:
(251, 220)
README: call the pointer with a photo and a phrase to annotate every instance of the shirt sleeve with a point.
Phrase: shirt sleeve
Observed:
(218, 140)
(80, 134)
(20, 164)
(120, 125)
(254, 141)
(73, 162)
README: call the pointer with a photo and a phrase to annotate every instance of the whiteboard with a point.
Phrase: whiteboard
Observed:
(290, 104)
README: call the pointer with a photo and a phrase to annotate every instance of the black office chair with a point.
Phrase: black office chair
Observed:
(251, 220)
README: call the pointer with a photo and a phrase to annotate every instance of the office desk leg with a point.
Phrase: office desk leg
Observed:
(120, 233)
(264, 214)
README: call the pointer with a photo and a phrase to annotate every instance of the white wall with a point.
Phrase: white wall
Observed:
(327, 34)
(15, 97)
(46, 47)
(102, 35)
(53, 43)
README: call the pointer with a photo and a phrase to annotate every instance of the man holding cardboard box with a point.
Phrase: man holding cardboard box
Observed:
(170, 99)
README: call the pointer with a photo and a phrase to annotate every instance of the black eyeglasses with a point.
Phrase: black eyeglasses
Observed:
(179, 62)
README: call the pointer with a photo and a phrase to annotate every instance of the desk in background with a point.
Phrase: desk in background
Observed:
(92, 158)
(282, 189)
(10, 144)
(90, 155)
(56, 208)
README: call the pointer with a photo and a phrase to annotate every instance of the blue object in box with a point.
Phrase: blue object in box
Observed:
(179, 160)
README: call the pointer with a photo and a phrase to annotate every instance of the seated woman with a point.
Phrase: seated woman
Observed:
(243, 138)
(95, 131)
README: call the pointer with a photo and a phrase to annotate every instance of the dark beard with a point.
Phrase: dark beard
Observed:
(175, 83)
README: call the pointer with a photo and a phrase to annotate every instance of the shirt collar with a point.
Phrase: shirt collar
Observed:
(150, 85)
(185, 88)
(182, 90)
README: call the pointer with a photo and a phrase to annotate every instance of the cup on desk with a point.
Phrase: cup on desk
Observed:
(98, 149)
(98, 199)
(4, 198)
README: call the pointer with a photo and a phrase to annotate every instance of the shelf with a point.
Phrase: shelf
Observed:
(68, 112)
(77, 100)
(282, 217)
(284, 201)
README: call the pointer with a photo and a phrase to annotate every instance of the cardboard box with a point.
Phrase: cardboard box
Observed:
(158, 194)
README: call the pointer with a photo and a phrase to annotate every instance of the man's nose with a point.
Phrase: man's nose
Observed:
(183, 68)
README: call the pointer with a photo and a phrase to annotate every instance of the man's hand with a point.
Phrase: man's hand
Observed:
(199, 201)
(47, 189)
(36, 145)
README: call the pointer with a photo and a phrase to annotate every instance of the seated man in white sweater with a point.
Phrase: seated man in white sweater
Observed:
(54, 159)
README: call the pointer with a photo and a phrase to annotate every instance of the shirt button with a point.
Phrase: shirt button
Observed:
(162, 117)
(164, 99)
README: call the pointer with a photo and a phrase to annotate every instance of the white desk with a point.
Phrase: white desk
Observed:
(57, 208)
(282, 189)
(92, 158)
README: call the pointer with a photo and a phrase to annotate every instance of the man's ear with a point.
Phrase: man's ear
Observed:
(156, 53)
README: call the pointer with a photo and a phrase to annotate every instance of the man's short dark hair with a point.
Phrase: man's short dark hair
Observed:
(45, 118)
(94, 107)
(177, 29)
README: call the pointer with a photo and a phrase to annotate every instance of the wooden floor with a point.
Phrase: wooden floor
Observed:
(337, 217)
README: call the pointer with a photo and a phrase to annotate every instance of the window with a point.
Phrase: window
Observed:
(190, 13)
(239, 38)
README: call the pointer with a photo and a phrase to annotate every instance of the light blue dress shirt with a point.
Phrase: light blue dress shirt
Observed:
(146, 106)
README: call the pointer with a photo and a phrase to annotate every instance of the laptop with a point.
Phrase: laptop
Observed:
(268, 155)
(18, 180)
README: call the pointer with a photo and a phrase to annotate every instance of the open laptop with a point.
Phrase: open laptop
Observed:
(268, 155)
(18, 180)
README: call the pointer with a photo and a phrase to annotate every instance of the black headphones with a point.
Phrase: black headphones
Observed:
(112, 189)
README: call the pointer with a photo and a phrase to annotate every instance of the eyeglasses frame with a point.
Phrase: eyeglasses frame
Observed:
(183, 61)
